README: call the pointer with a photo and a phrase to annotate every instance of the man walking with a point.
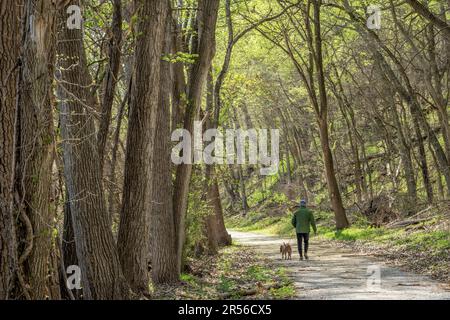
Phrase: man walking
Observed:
(302, 220)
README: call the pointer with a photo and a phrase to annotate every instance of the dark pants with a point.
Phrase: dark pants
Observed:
(300, 238)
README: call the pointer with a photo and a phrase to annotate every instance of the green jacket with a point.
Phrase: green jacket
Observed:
(302, 219)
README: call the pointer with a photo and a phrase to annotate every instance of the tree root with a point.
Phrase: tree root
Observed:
(28, 248)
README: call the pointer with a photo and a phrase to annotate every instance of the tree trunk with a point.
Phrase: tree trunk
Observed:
(35, 141)
(223, 237)
(333, 188)
(423, 164)
(10, 15)
(102, 277)
(134, 229)
(179, 80)
(68, 253)
(288, 163)
(207, 17)
(405, 154)
(111, 79)
(347, 113)
(113, 192)
(216, 231)
(433, 80)
(243, 190)
(402, 85)
(211, 225)
(163, 250)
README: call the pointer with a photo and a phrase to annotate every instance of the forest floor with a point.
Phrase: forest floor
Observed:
(342, 272)
(236, 272)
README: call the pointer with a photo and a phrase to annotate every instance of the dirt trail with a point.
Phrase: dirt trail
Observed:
(334, 273)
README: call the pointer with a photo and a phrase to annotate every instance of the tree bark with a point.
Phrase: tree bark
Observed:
(223, 237)
(68, 253)
(405, 154)
(36, 143)
(102, 277)
(10, 15)
(215, 224)
(163, 257)
(134, 228)
(111, 79)
(179, 80)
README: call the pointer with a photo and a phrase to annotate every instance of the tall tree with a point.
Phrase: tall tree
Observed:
(134, 229)
(35, 148)
(311, 71)
(204, 47)
(163, 259)
(101, 273)
(111, 79)
(10, 15)
(322, 112)
(213, 200)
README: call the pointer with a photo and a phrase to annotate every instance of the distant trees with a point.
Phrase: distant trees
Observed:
(430, 16)
(382, 94)
(310, 68)
(399, 78)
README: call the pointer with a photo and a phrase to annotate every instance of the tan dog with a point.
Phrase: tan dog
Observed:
(286, 251)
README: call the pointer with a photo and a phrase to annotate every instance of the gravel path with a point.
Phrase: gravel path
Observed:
(334, 273)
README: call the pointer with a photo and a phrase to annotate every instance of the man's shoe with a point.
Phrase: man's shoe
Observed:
(301, 258)
(306, 257)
